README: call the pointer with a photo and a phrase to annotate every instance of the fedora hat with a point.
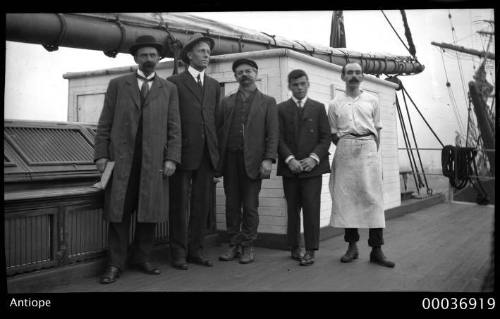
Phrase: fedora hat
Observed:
(195, 38)
(145, 41)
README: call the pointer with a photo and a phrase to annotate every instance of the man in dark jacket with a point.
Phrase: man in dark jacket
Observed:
(139, 130)
(303, 158)
(198, 104)
(248, 142)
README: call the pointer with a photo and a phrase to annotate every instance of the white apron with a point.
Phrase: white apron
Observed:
(356, 184)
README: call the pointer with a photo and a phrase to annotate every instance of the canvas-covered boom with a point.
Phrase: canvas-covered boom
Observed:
(113, 33)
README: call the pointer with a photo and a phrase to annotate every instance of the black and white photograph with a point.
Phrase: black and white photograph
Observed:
(251, 151)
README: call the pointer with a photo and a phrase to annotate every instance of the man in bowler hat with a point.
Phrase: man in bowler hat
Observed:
(248, 142)
(303, 158)
(138, 129)
(198, 103)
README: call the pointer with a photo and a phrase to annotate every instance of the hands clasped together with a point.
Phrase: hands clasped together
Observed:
(303, 165)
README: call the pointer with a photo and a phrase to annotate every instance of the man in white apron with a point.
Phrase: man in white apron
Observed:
(356, 178)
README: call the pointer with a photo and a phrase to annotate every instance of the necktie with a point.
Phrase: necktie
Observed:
(299, 108)
(145, 86)
(199, 80)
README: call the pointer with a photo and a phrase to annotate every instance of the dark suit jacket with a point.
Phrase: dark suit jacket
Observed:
(197, 110)
(313, 137)
(261, 133)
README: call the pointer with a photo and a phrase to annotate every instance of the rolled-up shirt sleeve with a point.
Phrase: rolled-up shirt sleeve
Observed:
(376, 115)
(332, 119)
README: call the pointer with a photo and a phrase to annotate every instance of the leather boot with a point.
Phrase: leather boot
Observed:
(308, 258)
(232, 253)
(296, 254)
(110, 275)
(351, 253)
(378, 257)
(248, 255)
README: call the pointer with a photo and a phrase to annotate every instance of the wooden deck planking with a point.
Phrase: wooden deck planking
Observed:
(443, 248)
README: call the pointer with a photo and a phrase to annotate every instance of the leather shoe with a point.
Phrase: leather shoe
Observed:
(378, 257)
(308, 258)
(110, 275)
(232, 253)
(296, 254)
(147, 268)
(247, 256)
(200, 260)
(351, 253)
(180, 264)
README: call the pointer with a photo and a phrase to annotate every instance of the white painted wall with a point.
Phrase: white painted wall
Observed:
(274, 66)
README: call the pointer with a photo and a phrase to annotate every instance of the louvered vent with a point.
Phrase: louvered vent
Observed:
(7, 162)
(86, 232)
(28, 240)
(50, 146)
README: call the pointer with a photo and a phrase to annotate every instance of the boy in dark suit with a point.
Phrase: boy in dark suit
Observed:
(303, 158)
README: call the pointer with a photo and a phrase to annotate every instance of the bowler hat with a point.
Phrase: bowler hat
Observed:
(145, 41)
(239, 62)
(195, 38)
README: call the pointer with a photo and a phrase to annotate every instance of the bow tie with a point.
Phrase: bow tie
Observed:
(145, 79)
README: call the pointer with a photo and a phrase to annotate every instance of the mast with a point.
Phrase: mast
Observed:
(487, 132)
(479, 90)
(337, 31)
(458, 48)
(113, 33)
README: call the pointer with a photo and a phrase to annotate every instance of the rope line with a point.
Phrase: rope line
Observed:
(452, 96)
(415, 105)
(459, 165)
(407, 144)
(404, 44)
(458, 60)
(429, 191)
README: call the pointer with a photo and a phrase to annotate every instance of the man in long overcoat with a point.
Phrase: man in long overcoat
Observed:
(139, 129)
(249, 145)
(198, 104)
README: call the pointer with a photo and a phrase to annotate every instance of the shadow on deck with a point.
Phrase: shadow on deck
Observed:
(443, 248)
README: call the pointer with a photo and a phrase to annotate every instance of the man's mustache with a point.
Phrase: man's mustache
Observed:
(149, 64)
(353, 80)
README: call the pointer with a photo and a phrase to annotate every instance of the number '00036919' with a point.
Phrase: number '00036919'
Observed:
(471, 303)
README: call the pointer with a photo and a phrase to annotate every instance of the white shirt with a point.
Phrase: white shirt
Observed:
(140, 81)
(302, 102)
(194, 73)
(359, 115)
(312, 155)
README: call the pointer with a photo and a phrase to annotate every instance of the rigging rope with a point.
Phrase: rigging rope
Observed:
(472, 39)
(429, 191)
(452, 97)
(454, 165)
(409, 152)
(397, 34)
(459, 165)
(468, 126)
(458, 60)
(415, 105)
